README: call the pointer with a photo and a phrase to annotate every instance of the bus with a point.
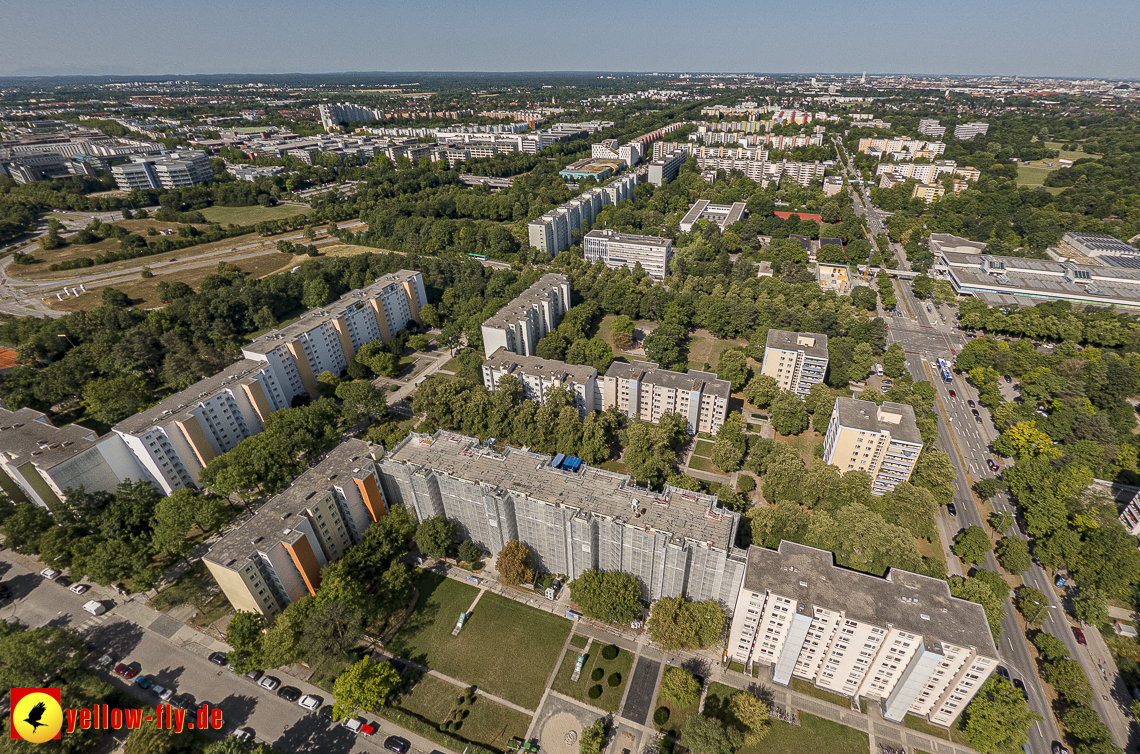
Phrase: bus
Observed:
(480, 257)
(944, 368)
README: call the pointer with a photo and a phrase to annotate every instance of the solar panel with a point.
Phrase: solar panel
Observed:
(1128, 263)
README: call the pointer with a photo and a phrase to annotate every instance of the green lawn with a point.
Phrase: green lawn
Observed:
(610, 699)
(704, 449)
(804, 443)
(809, 688)
(703, 464)
(578, 641)
(506, 648)
(1028, 176)
(677, 715)
(487, 723)
(615, 466)
(250, 215)
(703, 349)
(195, 587)
(452, 365)
(812, 734)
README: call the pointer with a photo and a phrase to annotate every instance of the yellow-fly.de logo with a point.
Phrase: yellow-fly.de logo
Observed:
(36, 715)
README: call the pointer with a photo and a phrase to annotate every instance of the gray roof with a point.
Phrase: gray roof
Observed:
(866, 416)
(1099, 243)
(176, 406)
(789, 341)
(949, 242)
(679, 513)
(350, 459)
(648, 373)
(26, 435)
(655, 242)
(532, 297)
(900, 599)
(533, 365)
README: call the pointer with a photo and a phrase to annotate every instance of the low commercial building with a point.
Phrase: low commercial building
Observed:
(168, 171)
(540, 376)
(617, 250)
(883, 441)
(664, 169)
(591, 167)
(519, 325)
(676, 542)
(42, 462)
(796, 360)
(642, 390)
(901, 641)
(721, 215)
(834, 277)
(275, 558)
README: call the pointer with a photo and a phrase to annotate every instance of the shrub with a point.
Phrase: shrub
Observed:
(452, 727)
(610, 652)
(463, 715)
(471, 699)
(661, 716)
(597, 674)
(459, 699)
(614, 680)
(666, 745)
(595, 691)
(470, 691)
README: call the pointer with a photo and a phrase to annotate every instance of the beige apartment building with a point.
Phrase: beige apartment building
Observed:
(902, 641)
(519, 325)
(643, 390)
(276, 557)
(796, 360)
(883, 441)
(540, 376)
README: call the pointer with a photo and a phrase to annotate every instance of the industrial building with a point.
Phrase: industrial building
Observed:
(883, 441)
(519, 325)
(617, 250)
(642, 390)
(796, 360)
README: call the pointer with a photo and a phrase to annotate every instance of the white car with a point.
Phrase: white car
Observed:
(106, 661)
(310, 702)
(354, 724)
(269, 683)
(162, 692)
(243, 734)
(79, 588)
(49, 573)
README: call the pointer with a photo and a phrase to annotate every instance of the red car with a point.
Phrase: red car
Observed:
(126, 671)
(1080, 636)
(368, 729)
(953, 394)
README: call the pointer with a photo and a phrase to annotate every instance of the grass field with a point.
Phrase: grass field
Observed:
(251, 215)
(704, 449)
(195, 587)
(804, 443)
(506, 648)
(615, 466)
(611, 696)
(487, 723)
(703, 464)
(707, 348)
(351, 250)
(812, 734)
(578, 641)
(1035, 172)
(677, 715)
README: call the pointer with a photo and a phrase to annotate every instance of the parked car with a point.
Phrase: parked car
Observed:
(63, 581)
(1008, 380)
(326, 712)
(993, 466)
(243, 734)
(269, 683)
(106, 661)
(184, 702)
(310, 702)
(1020, 686)
(253, 675)
(397, 744)
(144, 681)
(162, 692)
(951, 509)
(95, 607)
(127, 671)
(1059, 749)
(974, 412)
(1080, 636)
(353, 724)
(368, 729)
(49, 573)
(971, 404)
(218, 658)
(1003, 672)
(289, 693)
(80, 588)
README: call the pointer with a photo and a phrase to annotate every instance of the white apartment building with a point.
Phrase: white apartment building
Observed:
(832, 185)
(796, 360)
(168, 171)
(617, 250)
(887, 146)
(642, 390)
(902, 641)
(883, 441)
(923, 172)
(932, 128)
(664, 169)
(608, 149)
(967, 131)
(555, 231)
(721, 215)
(540, 376)
(519, 325)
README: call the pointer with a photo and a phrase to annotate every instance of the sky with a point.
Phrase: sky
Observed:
(157, 37)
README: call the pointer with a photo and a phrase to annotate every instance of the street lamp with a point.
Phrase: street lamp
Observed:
(61, 335)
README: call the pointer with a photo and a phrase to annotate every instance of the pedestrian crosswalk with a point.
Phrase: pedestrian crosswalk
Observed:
(92, 622)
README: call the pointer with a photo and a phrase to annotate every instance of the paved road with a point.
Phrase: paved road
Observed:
(172, 654)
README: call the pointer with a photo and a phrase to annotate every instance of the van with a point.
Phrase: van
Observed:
(95, 607)
(879, 369)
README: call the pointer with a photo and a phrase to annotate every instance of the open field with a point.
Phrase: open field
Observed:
(611, 696)
(351, 250)
(704, 449)
(812, 734)
(804, 443)
(506, 648)
(487, 722)
(251, 215)
(143, 292)
(703, 464)
(1035, 172)
(704, 348)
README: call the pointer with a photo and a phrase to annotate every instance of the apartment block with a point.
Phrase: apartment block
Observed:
(796, 360)
(609, 149)
(888, 146)
(901, 642)
(42, 462)
(539, 376)
(642, 390)
(664, 169)
(617, 250)
(555, 231)
(883, 441)
(721, 215)
(519, 325)
(832, 185)
(676, 542)
(275, 558)
(928, 192)
(168, 171)
(967, 131)
(932, 128)
(919, 171)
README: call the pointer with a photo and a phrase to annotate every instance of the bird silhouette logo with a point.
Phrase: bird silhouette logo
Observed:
(36, 715)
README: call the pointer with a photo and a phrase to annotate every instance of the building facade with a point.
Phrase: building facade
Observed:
(168, 171)
(676, 542)
(539, 376)
(642, 390)
(902, 641)
(721, 215)
(883, 441)
(617, 250)
(275, 558)
(796, 360)
(560, 228)
(664, 169)
(967, 131)
(519, 325)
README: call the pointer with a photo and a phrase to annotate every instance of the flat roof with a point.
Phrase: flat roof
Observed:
(27, 436)
(650, 373)
(532, 297)
(674, 512)
(628, 238)
(280, 513)
(868, 417)
(1099, 243)
(786, 340)
(533, 365)
(901, 599)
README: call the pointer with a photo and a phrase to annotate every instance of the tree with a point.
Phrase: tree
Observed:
(761, 390)
(1049, 646)
(1013, 554)
(707, 735)
(894, 361)
(726, 456)
(789, 415)
(935, 472)
(361, 400)
(820, 402)
(1024, 440)
(112, 399)
(435, 536)
(327, 383)
(621, 332)
(976, 590)
(972, 545)
(29, 657)
(1091, 606)
(676, 623)
(1032, 604)
(733, 366)
(244, 633)
(610, 596)
(998, 719)
(515, 564)
(752, 714)
(420, 342)
(680, 686)
(666, 346)
(469, 552)
(593, 738)
(331, 629)
(364, 685)
(152, 739)
(115, 298)
(1068, 678)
